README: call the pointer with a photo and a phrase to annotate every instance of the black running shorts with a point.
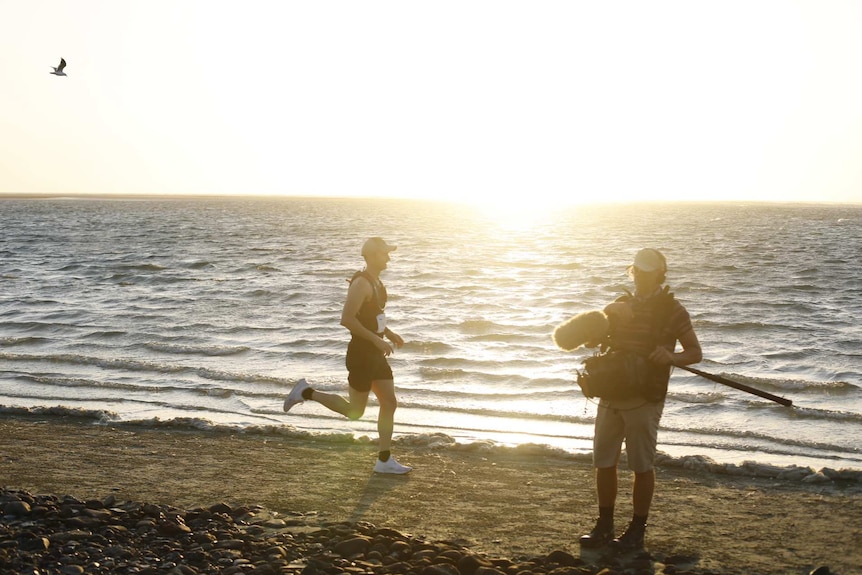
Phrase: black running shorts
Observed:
(365, 364)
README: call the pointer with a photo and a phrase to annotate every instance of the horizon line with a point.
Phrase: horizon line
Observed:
(204, 196)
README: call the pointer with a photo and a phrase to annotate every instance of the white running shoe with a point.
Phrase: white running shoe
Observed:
(391, 466)
(295, 395)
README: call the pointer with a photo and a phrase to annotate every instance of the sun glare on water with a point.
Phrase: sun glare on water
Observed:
(515, 213)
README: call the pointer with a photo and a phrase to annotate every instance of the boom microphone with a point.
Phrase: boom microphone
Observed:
(587, 328)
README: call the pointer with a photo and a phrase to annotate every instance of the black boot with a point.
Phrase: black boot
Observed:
(601, 534)
(632, 539)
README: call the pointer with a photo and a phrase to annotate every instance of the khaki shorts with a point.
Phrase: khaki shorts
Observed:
(635, 423)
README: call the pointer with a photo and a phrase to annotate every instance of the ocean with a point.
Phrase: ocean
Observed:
(204, 312)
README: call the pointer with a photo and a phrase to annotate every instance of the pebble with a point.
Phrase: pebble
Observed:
(61, 535)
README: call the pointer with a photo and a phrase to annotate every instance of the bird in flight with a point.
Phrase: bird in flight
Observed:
(58, 71)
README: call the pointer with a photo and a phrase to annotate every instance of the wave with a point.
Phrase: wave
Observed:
(407, 404)
(437, 373)
(539, 389)
(84, 383)
(435, 348)
(76, 359)
(827, 415)
(496, 413)
(759, 436)
(106, 334)
(25, 340)
(187, 349)
(784, 384)
(503, 338)
(801, 385)
(134, 365)
(150, 403)
(696, 398)
(31, 325)
(784, 452)
(282, 385)
(543, 390)
(733, 326)
(801, 354)
(482, 326)
(443, 441)
(262, 294)
(116, 419)
(197, 265)
(140, 268)
(455, 362)
(223, 375)
(71, 412)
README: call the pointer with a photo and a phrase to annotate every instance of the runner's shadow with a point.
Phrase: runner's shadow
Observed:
(378, 485)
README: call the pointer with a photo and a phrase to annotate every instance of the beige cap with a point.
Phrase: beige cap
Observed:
(376, 245)
(650, 260)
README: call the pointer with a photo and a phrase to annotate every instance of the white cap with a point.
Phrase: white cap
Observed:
(650, 260)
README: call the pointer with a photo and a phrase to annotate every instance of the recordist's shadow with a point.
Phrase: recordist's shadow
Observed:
(378, 484)
(640, 560)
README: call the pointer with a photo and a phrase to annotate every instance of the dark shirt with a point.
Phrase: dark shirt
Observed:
(371, 308)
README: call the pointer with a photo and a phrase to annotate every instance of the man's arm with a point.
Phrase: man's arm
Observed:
(394, 337)
(691, 352)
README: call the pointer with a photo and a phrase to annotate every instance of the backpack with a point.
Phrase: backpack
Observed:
(619, 374)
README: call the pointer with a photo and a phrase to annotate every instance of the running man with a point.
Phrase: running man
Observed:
(367, 351)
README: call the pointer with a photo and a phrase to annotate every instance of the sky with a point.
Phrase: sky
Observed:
(496, 102)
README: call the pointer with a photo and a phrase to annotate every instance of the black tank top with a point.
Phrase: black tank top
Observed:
(371, 308)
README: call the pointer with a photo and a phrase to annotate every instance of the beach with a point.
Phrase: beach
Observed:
(496, 503)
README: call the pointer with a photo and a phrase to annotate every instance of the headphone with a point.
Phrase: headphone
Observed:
(663, 275)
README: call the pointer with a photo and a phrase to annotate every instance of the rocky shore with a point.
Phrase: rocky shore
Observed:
(183, 502)
(49, 534)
